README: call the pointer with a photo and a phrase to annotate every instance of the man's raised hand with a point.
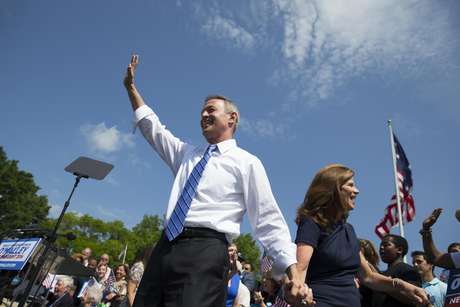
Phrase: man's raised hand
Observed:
(429, 221)
(129, 77)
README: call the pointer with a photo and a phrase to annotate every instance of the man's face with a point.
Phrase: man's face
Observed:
(215, 120)
(420, 264)
(247, 267)
(92, 263)
(59, 288)
(454, 249)
(389, 252)
(86, 253)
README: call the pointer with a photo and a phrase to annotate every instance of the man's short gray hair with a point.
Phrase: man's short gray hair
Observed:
(230, 106)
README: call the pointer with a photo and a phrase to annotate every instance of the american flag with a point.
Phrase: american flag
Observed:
(266, 263)
(404, 176)
(279, 302)
(49, 281)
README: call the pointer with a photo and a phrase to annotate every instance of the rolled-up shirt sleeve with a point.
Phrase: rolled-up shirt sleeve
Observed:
(170, 148)
(267, 221)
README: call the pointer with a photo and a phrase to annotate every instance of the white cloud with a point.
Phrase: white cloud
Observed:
(227, 29)
(324, 44)
(106, 140)
(265, 127)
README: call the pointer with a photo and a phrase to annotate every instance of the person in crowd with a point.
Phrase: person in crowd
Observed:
(137, 271)
(237, 293)
(444, 260)
(61, 296)
(247, 276)
(106, 283)
(328, 251)
(105, 259)
(393, 248)
(435, 288)
(92, 263)
(87, 252)
(214, 187)
(452, 248)
(118, 295)
(369, 252)
(101, 273)
(269, 291)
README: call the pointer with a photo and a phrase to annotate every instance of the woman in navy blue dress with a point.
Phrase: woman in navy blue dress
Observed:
(328, 251)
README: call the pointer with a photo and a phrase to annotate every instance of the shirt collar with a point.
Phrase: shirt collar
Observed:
(433, 282)
(226, 145)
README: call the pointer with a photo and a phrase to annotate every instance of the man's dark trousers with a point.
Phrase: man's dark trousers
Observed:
(190, 271)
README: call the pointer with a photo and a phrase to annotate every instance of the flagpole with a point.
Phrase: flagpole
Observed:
(126, 250)
(398, 198)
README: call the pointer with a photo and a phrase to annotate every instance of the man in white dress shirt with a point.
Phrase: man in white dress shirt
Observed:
(191, 269)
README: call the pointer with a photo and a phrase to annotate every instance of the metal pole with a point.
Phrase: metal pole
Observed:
(395, 171)
(124, 255)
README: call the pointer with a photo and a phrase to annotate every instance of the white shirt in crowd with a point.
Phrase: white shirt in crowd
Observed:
(233, 182)
(243, 296)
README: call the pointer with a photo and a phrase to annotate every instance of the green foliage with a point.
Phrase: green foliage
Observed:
(19, 203)
(106, 237)
(247, 246)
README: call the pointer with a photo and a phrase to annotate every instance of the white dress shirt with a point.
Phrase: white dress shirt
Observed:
(233, 182)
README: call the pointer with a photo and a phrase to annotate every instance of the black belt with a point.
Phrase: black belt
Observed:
(200, 232)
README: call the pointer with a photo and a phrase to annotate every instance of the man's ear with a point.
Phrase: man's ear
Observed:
(233, 120)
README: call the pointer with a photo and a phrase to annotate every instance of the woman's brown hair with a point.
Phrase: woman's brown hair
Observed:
(369, 252)
(325, 202)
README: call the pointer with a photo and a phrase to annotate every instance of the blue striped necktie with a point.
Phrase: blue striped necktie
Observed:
(176, 221)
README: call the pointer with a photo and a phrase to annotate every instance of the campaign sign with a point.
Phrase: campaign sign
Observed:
(15, 253)
(453, 289)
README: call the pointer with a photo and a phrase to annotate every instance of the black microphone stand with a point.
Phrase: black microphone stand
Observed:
(51, 240)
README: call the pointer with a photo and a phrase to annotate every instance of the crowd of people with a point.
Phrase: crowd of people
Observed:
(326, 273)
(110, 286)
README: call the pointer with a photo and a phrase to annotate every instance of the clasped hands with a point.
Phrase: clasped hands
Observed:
(296, 292)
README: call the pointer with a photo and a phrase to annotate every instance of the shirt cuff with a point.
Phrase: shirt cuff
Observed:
(140, 113)
(456, 259)
(283, 261)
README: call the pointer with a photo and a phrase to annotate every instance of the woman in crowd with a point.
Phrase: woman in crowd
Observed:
(328, 251)
(372, 257)
(269, 290)
(136, 272)
(106, 283)
(119, 290)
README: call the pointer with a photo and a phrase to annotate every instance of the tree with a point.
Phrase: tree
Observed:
(19, 203)
(147, 232)
(247, 246)
(106, 237)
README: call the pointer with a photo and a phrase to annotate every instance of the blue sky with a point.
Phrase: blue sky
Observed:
(315, 81)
